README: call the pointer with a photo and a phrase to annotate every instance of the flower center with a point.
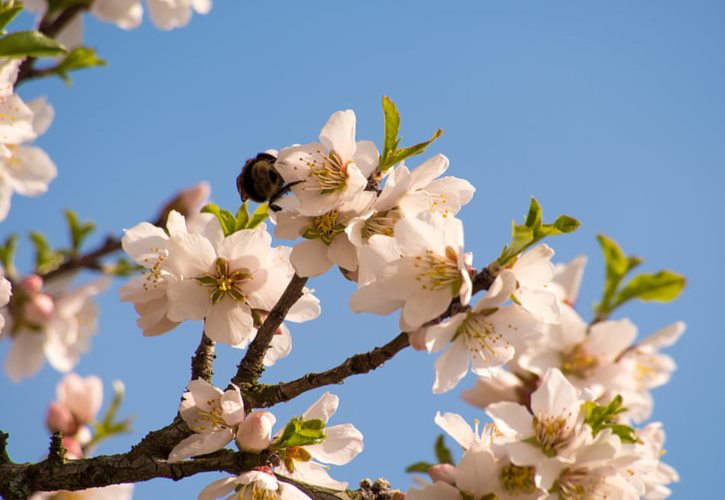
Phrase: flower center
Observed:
(552, 433)
(437, 272)
(325, 227)
(381, 223)
(581, 484)
(152, 275)
(578, 362)
(209, 420)
(253, 491)
(479, 334)
(518, 479)
(331, 175)
(225, 282)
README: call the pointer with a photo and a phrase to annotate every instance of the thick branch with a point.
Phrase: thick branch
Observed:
(202, 364)
(251, 367)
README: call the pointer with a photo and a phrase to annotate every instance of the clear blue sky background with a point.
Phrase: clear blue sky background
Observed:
(613, 112)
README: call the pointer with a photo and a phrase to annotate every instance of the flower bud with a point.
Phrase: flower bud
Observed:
(73, 448)
(443, 472)
(255, 432)
(32, 283)
(39, 308)
(417, 339)
(60, 419)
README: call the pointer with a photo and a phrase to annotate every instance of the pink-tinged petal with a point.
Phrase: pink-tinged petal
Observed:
(608, 339)
(439, 336)
(443, 472)
(32, 170)
(342, 444)
(499, 385)
(290, 226)
(255, 432)
(310, 258)
(499, 292)
(201, 444)
(82, 396)
(424, 307)
(144, 243)
(218, 488)
(373, 299)
(416, 237)
(456, 427)
(305, 309)
(435, 491)
(190, 255)
(427, 171)
(338, 134)
(521, 453)
(200, 393)
(43, 114)
(25, 356)
(313, 473)
(61, 351)
(279, 347)
(152, 318)
(232, 406)
(380, 251)
(230, 322)
(512, 419)
(534, 269)
(16, 121)
(244, 248)
(450, 193)
(188, 300)
(555, 396)
(168, 15)
(366, 157)
(323, 408)
(541, 303)
(466, 291)
(126, 14)
(569, 278)
(477, 473)
(451, 367)
(342, 252)
(664, 337)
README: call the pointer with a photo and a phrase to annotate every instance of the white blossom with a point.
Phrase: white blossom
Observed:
(252, 485)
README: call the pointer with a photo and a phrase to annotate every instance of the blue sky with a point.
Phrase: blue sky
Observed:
(612, 112)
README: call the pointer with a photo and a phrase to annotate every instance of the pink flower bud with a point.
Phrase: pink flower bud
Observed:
(32, 283)
(255, 432)
(39, 308)
(60, 419)
(73, 448)
(443, 472)
(417, 339)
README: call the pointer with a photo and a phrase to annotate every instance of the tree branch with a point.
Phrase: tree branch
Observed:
(202, 363)
(251, 367)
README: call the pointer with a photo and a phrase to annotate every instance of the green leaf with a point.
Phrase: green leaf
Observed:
(565, 224)
(8, 13)
(599, 417)
(664, 286)
(78, 230)
(615, 259)
(46, 259)
(443, 453)
(122, 267)
(299, 432)
(392, 126)
(7, 253)
(29, 44)
(421, 467)
(242, 215)
(533, 218)
(401, 154)
(78, 58)
(260, 215)
(227, 221)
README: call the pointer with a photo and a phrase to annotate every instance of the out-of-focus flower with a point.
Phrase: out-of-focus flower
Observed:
(113, 492)
(78, 400)
(252, 485)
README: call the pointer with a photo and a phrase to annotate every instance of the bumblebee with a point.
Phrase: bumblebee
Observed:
(259, 181)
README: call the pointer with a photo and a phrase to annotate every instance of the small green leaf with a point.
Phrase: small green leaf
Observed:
(615, 259)
(392, 126)
(443, 453)
(599, 417)
(29, 44)
(533, 218)
(421, 467)
(227, 221)
(299, 432)
(663, 286)
(242, 215)
(78, 230)
(78, 58)
(401, 154)
(8, 13)
(7, 253)
(46, 259)
(260, 215)
(566, 224)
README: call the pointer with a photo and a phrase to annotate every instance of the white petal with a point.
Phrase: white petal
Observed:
(169, 14)
(534, 268)
(305, 309)
(424, 307)
(511, 418)
(230, 323)
(323, 408)
(32, 170)
(373, 299)
(338, 134)
(143, 243)
(608, 339)
(25, 357)
(366, 157)
(477, 473)
(43, 114)
(310, 258)
(232, 406)
(125, 14)
(556, 396)
(201, 444)
(342, 252)
(218, 488)
(342, 444)
(188, 300)
(16, 121)
(279, 347)
(201, 6)
(190, 255)
(439, 336)
(665, 337)
(456, 427)
(451, 367)
(541, 303)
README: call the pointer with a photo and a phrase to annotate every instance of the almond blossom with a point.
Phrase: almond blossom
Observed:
(78, 400)
(483, 337)
(218, 417)
(255, 484)
(533, 272)
(46, 321)
(327, 174)
(112, 492)
(342, 443)
(432, 270)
